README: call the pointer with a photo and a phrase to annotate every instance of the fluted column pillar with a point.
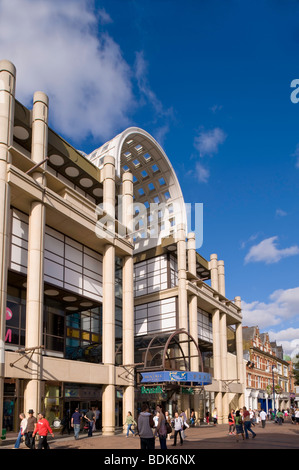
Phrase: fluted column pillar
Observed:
(240, 360)
(35, 270)
(7, 107)
(108, 346)
(128, 298)
(182, 291)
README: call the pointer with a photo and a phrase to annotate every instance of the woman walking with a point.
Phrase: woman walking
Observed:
(130, 422)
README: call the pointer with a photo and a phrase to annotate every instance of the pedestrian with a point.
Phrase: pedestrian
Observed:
(214, 416)
(247, 423)
(130, 422)
(161, 428)
(145, 428)
(185, 425)
(231, 422)
(208, 418)
(76, 422)
(22, 430)
(90, 417)
(42, 428)
(97, 418)
(168, 420)
(279, 416)
(178, 427)
(239, 426)
(31, 422)
(263, 416)
(65, 423)
(192, 418)
(156, 419)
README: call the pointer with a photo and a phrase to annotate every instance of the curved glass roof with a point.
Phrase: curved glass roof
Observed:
(158, 201)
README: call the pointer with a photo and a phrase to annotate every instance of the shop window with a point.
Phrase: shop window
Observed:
(15, 316)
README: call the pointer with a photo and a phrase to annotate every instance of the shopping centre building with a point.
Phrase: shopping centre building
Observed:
(105, 300)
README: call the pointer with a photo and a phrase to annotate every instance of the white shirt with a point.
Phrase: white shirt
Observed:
(23, 425)
(178, 424)
(263, 415)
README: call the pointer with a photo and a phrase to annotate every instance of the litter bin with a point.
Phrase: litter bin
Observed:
(3, 434)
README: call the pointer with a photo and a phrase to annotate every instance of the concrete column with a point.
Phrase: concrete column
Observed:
(216, 344)
(35, 271)
(240, 361)
(221, 278)
(108, 346)
(193, 325)
(7, 107)
(213, 265)
(182, 291)
(224, 369)
(128, 299)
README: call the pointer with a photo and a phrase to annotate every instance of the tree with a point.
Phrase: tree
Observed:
(296, 369)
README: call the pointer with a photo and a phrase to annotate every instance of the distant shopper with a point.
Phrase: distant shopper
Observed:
(90, 417)
(31, 423)
(161, 428)
(42, 428)
(263, 416)
(130, 421)
(76, 422)
(178, 427)
(215, 416)
(279, 416)
(169, 427)
(231, 422)
(145, 431)
(22, 430)
(239, 425)
(297, 415)
(247, 423)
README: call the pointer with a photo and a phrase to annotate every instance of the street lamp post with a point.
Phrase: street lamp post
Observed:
(273, 369)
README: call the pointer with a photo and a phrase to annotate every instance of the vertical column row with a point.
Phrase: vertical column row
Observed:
(35, 272)
(108, 344)
(7, 106)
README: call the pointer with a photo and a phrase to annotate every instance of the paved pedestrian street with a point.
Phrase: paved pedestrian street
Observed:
(272, 437)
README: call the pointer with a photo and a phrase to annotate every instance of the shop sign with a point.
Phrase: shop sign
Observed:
(187, 391)
(200, 378)
(151, 390)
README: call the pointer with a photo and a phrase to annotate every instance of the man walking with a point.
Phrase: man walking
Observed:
(31, 422)
(263, 416)
(145, 425)
(42, 427)
(76, 422)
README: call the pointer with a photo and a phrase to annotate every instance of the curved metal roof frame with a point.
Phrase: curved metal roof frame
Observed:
(170, 339)
(157, 192)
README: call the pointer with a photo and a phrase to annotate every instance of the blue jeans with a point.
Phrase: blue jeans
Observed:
(18, 441)
(90, 425)
(129, 428)
(163, 442)
(76, 430)
(247, 427)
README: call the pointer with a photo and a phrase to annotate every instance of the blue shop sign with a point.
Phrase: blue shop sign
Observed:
(200, 378)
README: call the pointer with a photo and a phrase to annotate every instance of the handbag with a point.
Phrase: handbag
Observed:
(168, 428)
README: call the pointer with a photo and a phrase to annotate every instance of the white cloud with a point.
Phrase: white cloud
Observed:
(267, 251)
(57, 49)
(202, 173)
(207, 141)
(296, 154)
(281, 213)
(282, 308)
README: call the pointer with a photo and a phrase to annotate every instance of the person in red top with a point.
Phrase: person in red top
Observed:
(42, 427)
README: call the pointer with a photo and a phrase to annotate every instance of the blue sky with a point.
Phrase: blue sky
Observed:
(211, 81)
